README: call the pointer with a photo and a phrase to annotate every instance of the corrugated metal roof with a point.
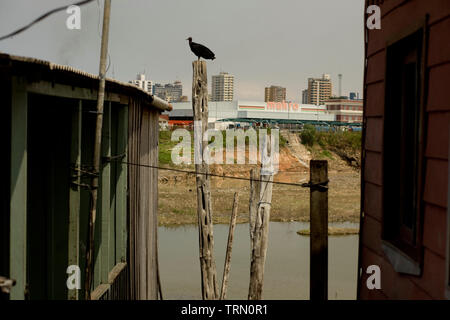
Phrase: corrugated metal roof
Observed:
(154, 101)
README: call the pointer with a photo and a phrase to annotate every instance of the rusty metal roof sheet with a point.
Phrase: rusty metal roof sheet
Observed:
(154, 100)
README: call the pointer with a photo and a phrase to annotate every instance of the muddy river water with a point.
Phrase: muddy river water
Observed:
(287, 265)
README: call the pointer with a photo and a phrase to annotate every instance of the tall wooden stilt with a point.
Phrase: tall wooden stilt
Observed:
(260, 203)
(227, 266)
(210, 289)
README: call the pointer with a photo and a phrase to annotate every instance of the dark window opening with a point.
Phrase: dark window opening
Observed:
(48, 196)
(402, 159)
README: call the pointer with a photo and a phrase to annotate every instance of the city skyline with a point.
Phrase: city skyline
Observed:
(241, 48)
(142, 82)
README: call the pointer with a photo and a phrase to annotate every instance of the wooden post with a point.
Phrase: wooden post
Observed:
(319, 231)
(74, 194)
(210, 290)
(259, 223)
(97, 149)
(255, 187)
(227, 266)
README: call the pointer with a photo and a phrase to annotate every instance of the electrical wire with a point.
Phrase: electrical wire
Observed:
(42, 17)
(321, 185)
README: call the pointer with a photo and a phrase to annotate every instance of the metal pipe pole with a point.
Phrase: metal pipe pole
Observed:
(97, 149)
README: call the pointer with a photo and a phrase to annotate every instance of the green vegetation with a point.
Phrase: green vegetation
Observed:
(166, 144)
(331, 139)
(283, 142)
(165, 147)
(326, 154)
(322, 144)
(308, 135)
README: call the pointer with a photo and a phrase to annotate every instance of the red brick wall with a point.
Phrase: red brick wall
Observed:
(398, 15)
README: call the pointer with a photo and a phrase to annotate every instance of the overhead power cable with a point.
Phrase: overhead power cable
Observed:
(42, 17)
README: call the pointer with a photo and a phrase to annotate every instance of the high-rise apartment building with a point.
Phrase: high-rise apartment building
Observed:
(222, 87)
(274, 94)
(319, 89)
(144, 84)
(170, 92)
(305, 96)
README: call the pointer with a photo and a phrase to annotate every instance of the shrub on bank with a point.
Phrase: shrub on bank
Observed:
(334, 139)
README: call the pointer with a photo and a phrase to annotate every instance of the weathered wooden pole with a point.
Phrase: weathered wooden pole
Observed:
(261, 191)
(227, 266)
(210, 290)
(97, 149)
(319, 230)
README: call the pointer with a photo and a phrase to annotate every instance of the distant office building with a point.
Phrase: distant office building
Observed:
(144, 84)
(274, 94)
(354, 96)
(319, 90)
(305, 96)
(345, 110)
(222, 87)
(170, 92)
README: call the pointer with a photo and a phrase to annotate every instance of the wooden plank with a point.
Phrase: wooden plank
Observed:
(319, 231)
(105, 194)
(66, 91)
(152, 250)
(227, 266)
(113, 184)
(74, 194)
(134, 123)
(121, 189)
(18, 204)
(114, 273)
(99, 291)
(144, 203)
(210, 289)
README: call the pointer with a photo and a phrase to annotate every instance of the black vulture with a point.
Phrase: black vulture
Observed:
(200, 50)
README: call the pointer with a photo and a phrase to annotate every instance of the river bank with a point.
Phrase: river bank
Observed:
(178, 199)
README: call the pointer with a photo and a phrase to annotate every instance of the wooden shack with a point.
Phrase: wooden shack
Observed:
(404, 208)
(48, 124)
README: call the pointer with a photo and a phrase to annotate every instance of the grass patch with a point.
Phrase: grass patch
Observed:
(166, 144)
(333, 138)
(326, 154)
(165, 147)
(346, 144)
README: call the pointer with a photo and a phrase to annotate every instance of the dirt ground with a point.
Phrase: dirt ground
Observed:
(178, 199)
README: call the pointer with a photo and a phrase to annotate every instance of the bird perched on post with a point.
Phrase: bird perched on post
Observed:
(200, 50)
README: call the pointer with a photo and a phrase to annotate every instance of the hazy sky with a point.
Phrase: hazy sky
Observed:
(260, 42)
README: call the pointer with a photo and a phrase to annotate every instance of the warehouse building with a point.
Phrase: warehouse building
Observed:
(224, 113)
